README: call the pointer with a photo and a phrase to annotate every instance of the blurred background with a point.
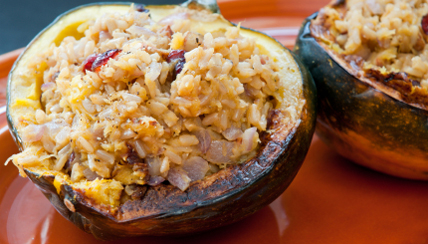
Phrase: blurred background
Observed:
(21, 20)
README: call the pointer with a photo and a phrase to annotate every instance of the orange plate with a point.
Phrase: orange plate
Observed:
(330, 201)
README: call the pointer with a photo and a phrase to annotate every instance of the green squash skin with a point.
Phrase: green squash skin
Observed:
(353, 113)
(241, 191)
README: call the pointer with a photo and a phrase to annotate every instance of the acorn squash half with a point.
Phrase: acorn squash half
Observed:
(219, 199)
(361, 118)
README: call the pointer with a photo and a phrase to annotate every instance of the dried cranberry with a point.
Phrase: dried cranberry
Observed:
(179, 66)
(87, 64)
(94, 61)
(424, 24)
(103, 58)
(141, 8)
(177, 55)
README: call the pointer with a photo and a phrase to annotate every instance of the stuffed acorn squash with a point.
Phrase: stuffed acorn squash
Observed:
(369, 62)
(158, 120)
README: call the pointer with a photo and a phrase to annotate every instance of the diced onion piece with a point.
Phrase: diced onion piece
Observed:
(196, 168)
(178, 177)
(204, 139)
(250, 139)
(155, 180)
(220, 151)
(232, 133)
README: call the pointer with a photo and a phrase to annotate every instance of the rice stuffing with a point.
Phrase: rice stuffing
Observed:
(143, 102)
